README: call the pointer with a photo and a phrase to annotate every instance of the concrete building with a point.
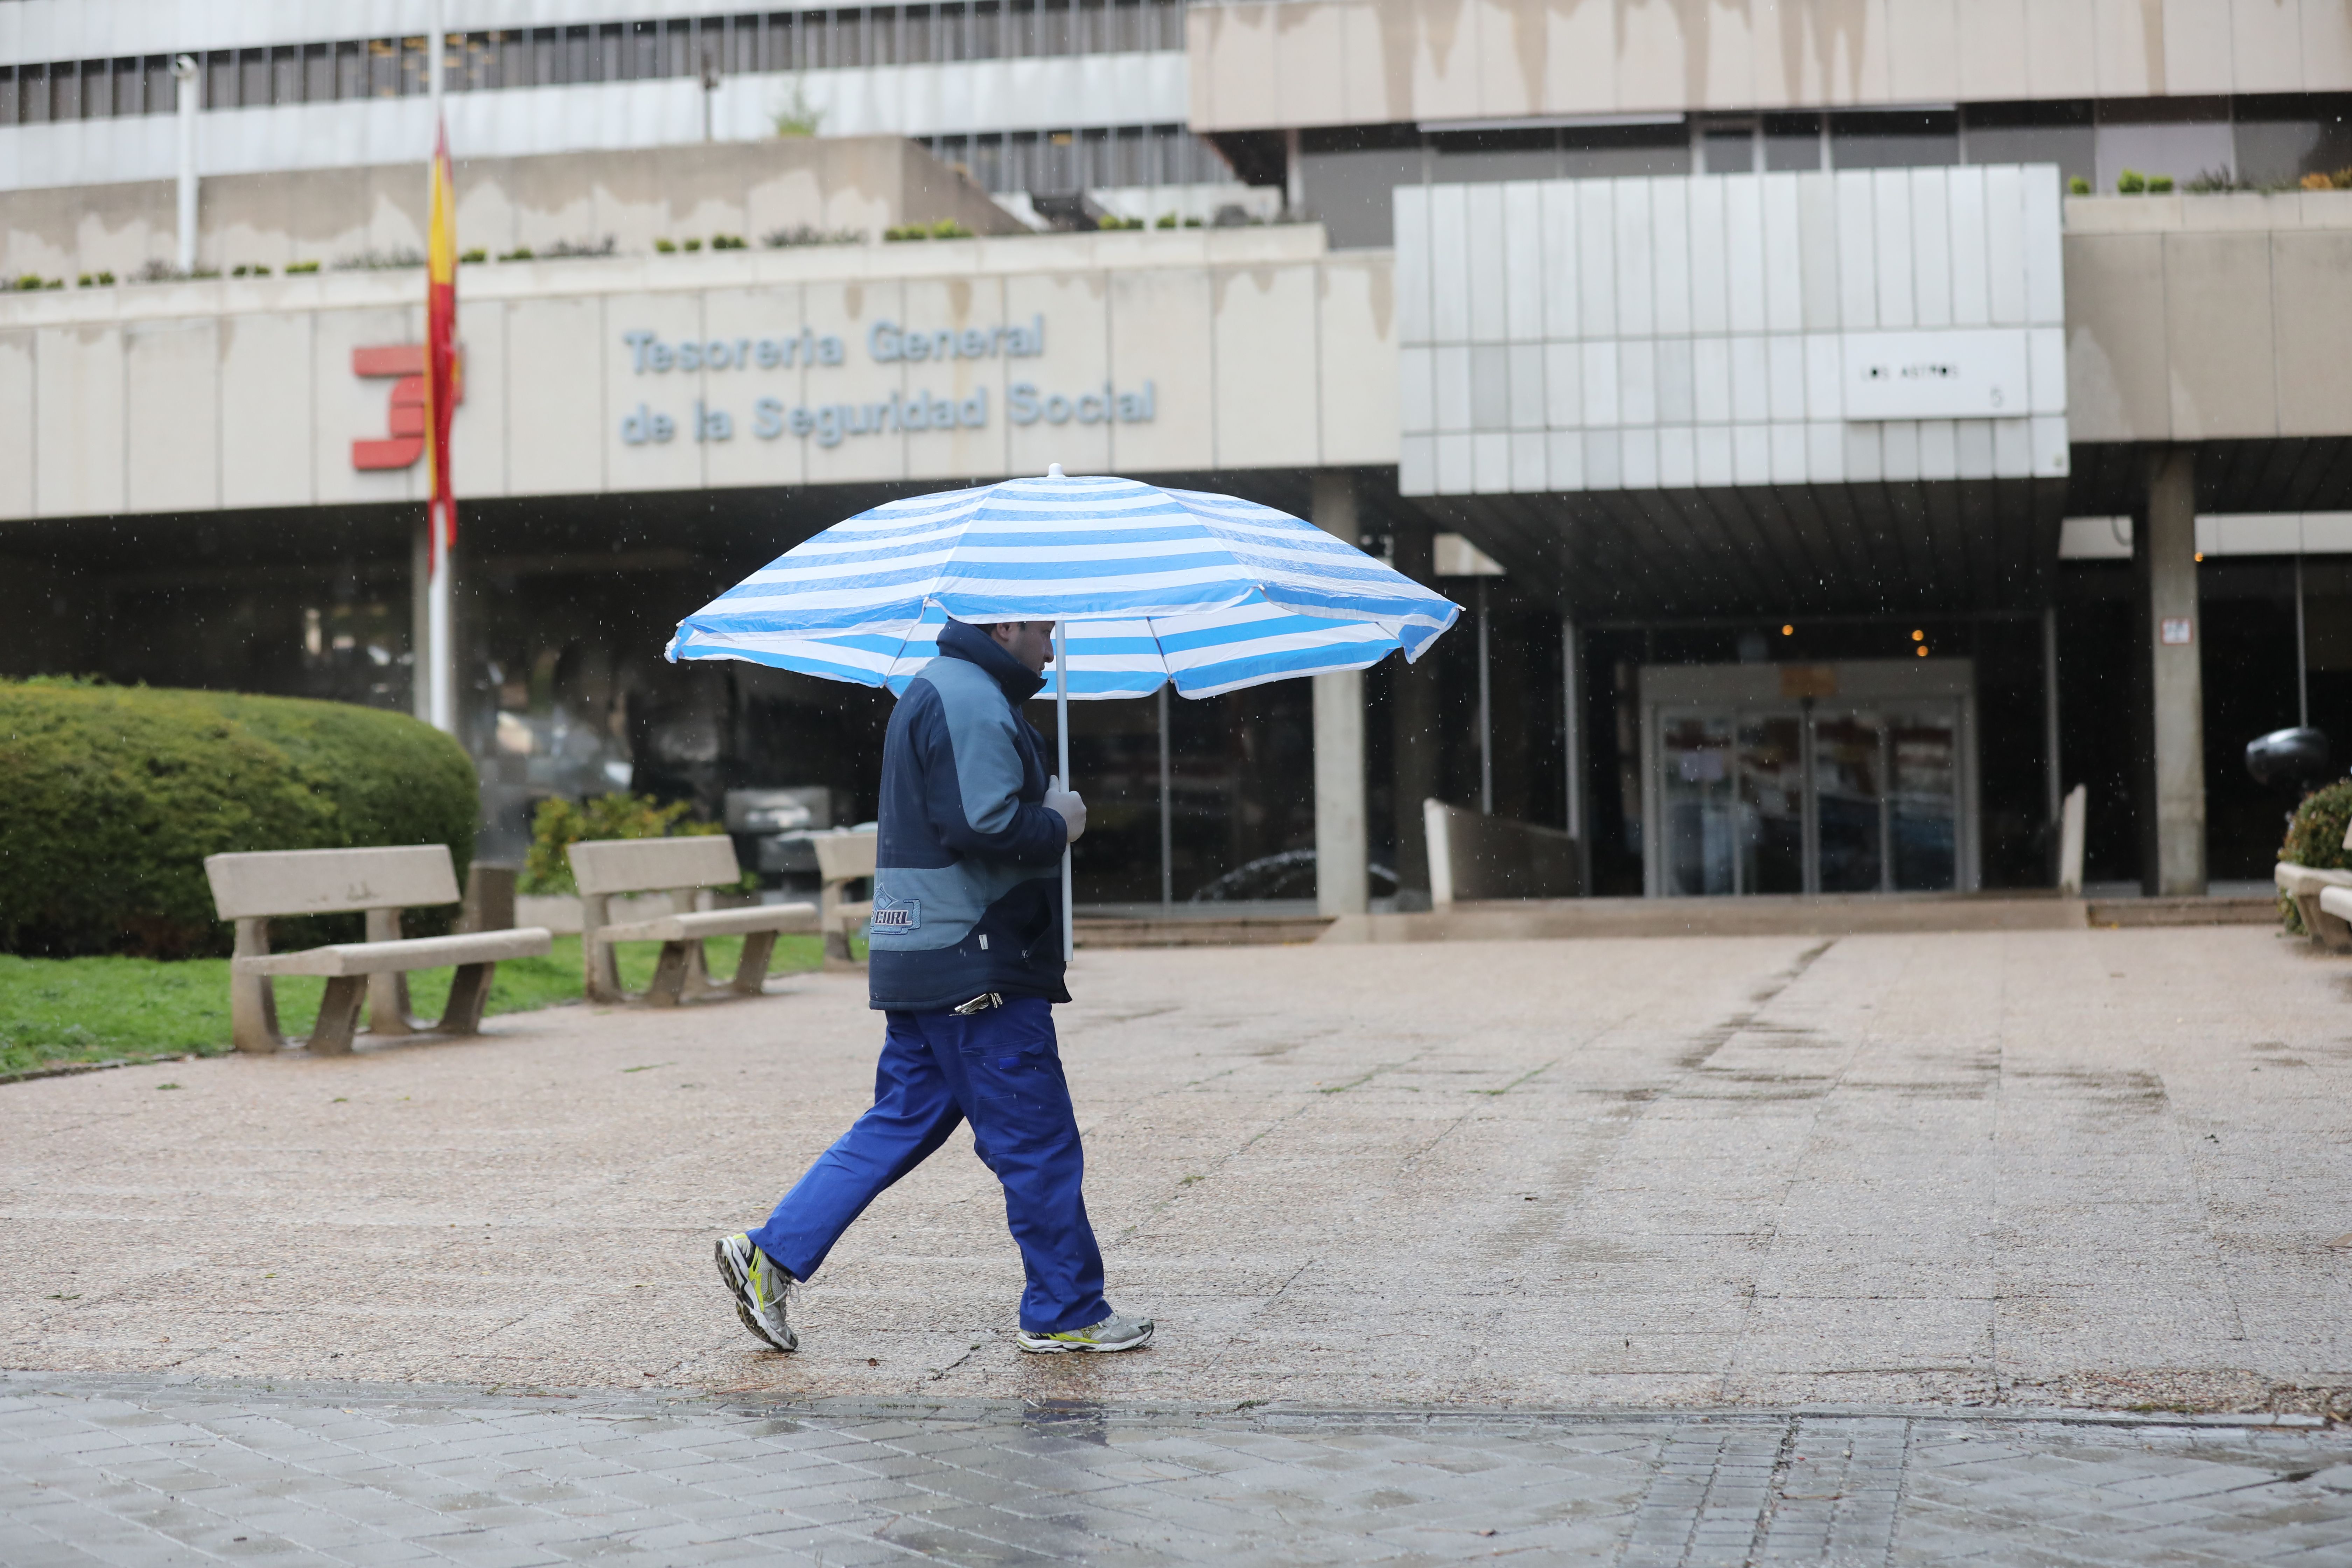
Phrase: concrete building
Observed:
(1844, 450)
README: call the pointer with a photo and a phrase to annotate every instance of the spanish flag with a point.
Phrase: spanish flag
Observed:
(440, 350)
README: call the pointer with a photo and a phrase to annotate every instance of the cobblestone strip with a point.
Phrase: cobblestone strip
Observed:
(1710, 1496)
(132, 1472)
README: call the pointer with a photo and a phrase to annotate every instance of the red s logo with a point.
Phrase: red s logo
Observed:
(406, 444)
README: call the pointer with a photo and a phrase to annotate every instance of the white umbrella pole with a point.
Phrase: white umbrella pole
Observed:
(1062, 748)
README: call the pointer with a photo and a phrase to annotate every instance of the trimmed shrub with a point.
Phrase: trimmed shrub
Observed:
(110, 797)
(2314, 837)
(559, 824)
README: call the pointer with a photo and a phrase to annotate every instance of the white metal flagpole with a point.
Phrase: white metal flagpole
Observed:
(1062, 754)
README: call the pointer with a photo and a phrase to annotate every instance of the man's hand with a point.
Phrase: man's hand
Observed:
(1066, 802)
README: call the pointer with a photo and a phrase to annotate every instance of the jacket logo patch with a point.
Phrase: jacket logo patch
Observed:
(907, 916)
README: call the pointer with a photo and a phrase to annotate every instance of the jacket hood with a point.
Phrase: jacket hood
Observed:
(974, 645)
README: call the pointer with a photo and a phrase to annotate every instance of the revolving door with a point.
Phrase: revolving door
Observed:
(1838, 778)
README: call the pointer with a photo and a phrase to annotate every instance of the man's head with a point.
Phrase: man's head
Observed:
(1031, 642)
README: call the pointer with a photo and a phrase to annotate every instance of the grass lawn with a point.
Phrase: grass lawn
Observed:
(107, 1009)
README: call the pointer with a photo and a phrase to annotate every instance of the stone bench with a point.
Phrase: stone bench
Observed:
(842, 859)
(255, 888)
(2332, 925)
(2303, 885)
(679, 868)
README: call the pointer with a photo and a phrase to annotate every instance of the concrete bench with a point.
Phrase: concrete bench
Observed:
(254, 889)
(680, 867)
(2308, 886)
(842, 859)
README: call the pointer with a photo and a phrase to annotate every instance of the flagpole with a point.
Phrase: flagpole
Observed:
(1061, 753)
(440, 660)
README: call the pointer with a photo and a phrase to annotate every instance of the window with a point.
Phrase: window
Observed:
(220, 79)
(252, 77)
(319, 73)
(7, 95)
(383, 68)
(882, 34)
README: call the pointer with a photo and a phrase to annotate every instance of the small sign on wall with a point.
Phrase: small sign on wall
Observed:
(1965, 373)
(2177, 631)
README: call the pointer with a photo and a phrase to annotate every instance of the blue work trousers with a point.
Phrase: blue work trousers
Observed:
(1002, 1071)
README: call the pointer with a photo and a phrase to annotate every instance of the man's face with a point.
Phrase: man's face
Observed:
(1031, 642)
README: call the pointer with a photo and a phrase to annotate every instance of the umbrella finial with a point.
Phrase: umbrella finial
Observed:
(1054, 471)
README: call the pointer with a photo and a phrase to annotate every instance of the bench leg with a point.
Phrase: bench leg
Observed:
(603, 977)
(2329, 932)
(751, 969)
(339, 1017)
(469, 994)
(669, 974)
(253, 998)
(387, 1007)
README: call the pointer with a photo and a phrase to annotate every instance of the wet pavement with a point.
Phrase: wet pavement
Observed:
(135, 1470)
(1571, 1226)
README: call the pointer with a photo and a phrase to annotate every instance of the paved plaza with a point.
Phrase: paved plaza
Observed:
(1683, 1186)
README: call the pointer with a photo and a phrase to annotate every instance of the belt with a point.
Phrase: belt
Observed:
(979, 1003)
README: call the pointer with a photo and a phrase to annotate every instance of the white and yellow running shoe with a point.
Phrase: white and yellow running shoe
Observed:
(1113, 1334)
(759, 1288)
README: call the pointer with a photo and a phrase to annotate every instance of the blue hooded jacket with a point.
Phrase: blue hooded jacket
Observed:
(967, 885)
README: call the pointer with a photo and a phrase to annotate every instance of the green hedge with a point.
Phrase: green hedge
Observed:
(110, 797)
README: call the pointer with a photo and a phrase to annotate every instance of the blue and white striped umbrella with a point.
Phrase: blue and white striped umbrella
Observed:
(1146, 585)
(1154, 585)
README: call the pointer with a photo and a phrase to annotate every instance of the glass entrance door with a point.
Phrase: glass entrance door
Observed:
(1817, 797)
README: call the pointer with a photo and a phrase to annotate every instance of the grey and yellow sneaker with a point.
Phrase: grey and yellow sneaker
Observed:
(758, 1285)
(1113, 1334)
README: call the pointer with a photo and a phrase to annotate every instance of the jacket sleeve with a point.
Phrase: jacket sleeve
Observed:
(971, 793)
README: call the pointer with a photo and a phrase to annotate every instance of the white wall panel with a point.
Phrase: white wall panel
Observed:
(1637, 382)
(2045, 282)
(1485, 262)
(1601, 407)
(1858, 255)
(1940, 454)
(1890, 198)
(1931, 248)
(1636, 315)
(1529, 472)
(2005, 245)
(1526, 374)
(1784, 276)
(1596, 259)
(1786, 360)
(1752, 380)
(1752, 454)
(1452, 367)
(1523, 261)
(1817, 238)
(1414, 248)
(1637, 463)
(1677, 457)
(1788, 453)
(18, 456)
(173, 401)
(1490, 463)
(1743, 211)
(1709, 265)
(1975, 441)
(1449, 264)
(1971, 301)
(2012, 449)
(1670, 249)
(262, 368)
(1824, 376)
(1563, 295)
(1713, 443)
(1563, 385)
(1711, 380)
(79, 421)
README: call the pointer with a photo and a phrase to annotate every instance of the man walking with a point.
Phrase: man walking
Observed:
(965, 964)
